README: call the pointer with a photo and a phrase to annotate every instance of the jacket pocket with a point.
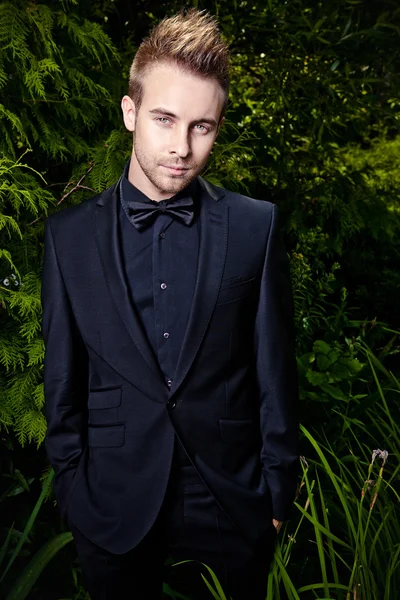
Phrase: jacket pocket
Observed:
(105, 398)
(236, 431)
(234, 289)
(111, 436)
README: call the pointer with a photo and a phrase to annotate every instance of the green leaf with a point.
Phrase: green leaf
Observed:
(30, 574)
(334, 392)
(317, 378)
(29, 524)
(219, 593)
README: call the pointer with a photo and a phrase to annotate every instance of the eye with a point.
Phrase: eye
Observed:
(202, 128)
(163, 120)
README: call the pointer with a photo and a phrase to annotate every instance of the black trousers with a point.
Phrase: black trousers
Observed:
(190, 527)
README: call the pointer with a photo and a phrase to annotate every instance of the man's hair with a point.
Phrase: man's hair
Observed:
(192, 41)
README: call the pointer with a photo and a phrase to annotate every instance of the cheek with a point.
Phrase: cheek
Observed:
(148, 140)
(203, 149)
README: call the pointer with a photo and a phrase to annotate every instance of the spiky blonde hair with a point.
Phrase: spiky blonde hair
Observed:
(191, 40)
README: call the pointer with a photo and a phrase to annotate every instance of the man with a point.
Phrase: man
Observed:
(170, 376)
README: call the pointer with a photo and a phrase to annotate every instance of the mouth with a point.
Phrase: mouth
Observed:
(176, 170)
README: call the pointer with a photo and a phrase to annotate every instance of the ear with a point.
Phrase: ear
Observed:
(129, 113)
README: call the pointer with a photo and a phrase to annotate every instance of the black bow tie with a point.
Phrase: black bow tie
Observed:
(143, 214)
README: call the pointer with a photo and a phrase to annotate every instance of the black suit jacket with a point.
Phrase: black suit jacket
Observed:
(111, 417)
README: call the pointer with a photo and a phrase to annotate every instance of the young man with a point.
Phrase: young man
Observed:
(170, 376)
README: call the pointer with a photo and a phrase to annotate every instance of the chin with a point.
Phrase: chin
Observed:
(174, 184)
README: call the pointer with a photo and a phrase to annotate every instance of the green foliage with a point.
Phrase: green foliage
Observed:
(109, 160)
(56, 80)
(21, 345)
(312, 125)
(317, 84)
(51, 78)
(22, 586)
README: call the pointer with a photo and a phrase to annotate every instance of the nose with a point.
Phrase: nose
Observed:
(181, 143)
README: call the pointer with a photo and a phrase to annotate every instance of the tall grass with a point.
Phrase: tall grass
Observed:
(345, 542)
(20, 588)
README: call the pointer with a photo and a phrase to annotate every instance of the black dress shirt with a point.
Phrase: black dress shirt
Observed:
(160, 265)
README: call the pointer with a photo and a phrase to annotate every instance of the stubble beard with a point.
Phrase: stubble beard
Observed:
(167, 184)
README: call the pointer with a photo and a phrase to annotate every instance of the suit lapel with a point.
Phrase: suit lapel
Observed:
(212, 255)
(106, 234)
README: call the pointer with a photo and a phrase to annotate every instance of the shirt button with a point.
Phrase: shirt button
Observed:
(166, 335)
(162, 235)
(171, 404)
(169, 382)
(163, 286)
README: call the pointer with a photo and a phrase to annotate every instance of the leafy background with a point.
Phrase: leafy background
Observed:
(313, 126)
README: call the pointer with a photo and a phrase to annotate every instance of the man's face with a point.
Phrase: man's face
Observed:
(174, 130)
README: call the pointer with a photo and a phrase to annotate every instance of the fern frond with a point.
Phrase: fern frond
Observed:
(38, 396)
(14, 121)
(10, 225)
(36, 75)
(6, 418)
(54, 146)
(40, 21)
(30, 329)
(92, 38)
(31, 427)
(3, 76)
(11, 353)
(109, 159)
(23, 304)
(35, 351)
(6, 255)
(13, 28)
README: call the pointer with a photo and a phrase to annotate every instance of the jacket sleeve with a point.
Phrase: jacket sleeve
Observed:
(277, 375)
(65, 376)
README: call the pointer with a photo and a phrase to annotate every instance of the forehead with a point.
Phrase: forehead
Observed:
(180, 91)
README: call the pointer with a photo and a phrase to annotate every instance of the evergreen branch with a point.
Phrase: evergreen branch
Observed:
(11, 353)
(11, 165)
(9, 224)
(13, 120)
(26, 305)
(91, 37)
(41, 16)
(7, 256)
(36, 352)
(35, 76)
(77, 186)
(38, 396)
(31, 426)
(6, 417)
(3, 76)
(29, 330)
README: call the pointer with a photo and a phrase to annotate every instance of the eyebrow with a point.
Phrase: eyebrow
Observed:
(163, 111)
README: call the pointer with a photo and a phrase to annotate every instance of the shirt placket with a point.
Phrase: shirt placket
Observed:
(162, 293)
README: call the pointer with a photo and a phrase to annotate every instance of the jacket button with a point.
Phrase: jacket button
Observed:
(171, 404)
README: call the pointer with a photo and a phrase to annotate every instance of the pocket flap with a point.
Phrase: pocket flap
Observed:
(235, 290)
(107, 398)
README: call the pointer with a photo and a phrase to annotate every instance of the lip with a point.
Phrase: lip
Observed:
(176, 170)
